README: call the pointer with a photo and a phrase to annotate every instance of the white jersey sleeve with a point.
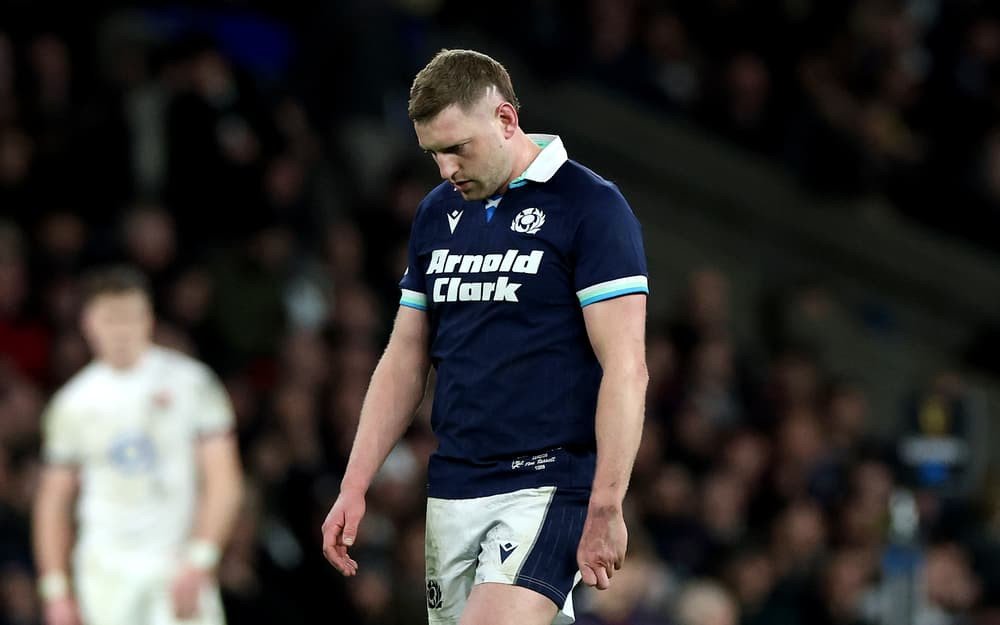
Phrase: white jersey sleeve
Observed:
(61, 425)
(214, 409)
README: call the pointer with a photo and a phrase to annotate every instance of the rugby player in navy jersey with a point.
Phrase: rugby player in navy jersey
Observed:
(526, 291)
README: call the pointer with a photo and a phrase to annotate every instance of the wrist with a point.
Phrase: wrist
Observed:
(606, 499)
(357, 487)
(53, 586)
(202, 554)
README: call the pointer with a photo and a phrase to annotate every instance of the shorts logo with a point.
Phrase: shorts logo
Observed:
(528, 221)
(505, 550)
(433, 594)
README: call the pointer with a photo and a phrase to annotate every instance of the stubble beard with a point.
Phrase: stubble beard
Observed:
(491, 182)
(476, 192)
(482, 190)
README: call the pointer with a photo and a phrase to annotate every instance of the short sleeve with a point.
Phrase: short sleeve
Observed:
(610, 259)
(214, 410)
(61, 434)
(413, 292)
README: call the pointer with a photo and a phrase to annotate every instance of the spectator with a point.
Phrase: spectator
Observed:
(24, 341)
(706, 603)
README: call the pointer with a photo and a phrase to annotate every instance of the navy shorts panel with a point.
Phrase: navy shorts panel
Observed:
(551, 568)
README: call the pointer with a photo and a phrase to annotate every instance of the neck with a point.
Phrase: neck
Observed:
(125, 362)
(525, 151)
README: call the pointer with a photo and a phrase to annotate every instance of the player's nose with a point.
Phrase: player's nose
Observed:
(447, 167)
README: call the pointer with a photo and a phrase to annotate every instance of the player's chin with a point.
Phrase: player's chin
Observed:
(472, 192)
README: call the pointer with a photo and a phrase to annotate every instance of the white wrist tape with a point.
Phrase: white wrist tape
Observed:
(52, 586)
(202, 554)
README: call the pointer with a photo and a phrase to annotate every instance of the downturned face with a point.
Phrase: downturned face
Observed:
(471, 148)
(118, 327)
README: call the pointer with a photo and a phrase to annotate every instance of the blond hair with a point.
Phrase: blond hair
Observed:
(459, 77)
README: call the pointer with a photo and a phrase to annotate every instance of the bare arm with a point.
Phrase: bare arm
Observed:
(53, 518)
(222, 488)
(395, 392)
(218, 503)
(53, 540)
(616, 329)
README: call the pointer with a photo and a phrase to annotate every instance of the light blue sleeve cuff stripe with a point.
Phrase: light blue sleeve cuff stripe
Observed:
(613, 288)
(612, 294)
(413, 299)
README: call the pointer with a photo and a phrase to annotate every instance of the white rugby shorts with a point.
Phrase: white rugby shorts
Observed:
(527, 537)
(128, 591)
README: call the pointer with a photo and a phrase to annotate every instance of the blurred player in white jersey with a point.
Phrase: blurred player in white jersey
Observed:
(141, 441)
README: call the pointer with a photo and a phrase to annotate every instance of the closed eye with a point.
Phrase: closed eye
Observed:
(458, 149)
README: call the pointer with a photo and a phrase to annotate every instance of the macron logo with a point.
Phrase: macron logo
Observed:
(505, 550)
(453, 218)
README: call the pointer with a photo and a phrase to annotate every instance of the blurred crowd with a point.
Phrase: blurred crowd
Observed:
(274, 235)
(896, 97)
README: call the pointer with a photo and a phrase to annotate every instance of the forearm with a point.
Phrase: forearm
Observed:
(52, 521)
(53, 533)
(218, 506)
(219, 500)
(620, 410)
(396, 390)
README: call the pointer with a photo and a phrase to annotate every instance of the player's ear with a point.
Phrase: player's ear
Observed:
(506, 115)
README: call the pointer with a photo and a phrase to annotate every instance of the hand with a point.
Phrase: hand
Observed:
(185, 591)
(62, 612)
(602, 545)
(340, 530)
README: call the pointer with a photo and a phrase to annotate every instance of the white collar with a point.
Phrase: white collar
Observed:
(547, 162)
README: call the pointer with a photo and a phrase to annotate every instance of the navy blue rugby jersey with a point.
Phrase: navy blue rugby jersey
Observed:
(504, 282)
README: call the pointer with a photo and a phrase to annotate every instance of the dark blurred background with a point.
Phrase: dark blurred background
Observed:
(819, 184)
